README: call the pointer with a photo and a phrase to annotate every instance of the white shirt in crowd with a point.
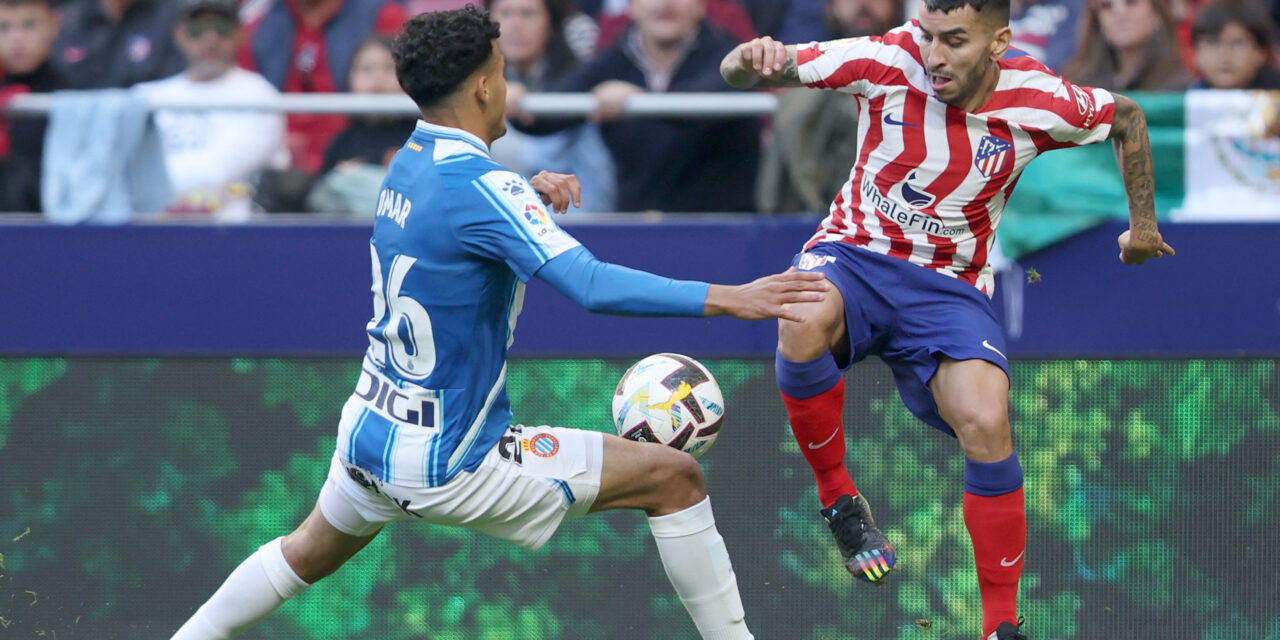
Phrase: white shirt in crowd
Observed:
(208, 151)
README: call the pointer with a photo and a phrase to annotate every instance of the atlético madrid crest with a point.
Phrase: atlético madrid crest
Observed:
(994, 156)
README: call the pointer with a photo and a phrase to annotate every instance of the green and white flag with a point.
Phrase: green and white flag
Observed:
(1213, 161)
(1232, 165)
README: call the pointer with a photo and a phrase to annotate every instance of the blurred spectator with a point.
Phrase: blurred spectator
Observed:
(1128, 45)
(27, 30)
(1232, 42)
(415, 7)
(212, 155)
(671, 164)
(726, 14)
(355, 162)
(804, 21)
(117, 43)
(537, 53)
(371, 139)
(1046, 29)
(815, 133)
(767, 15)
(306, 46)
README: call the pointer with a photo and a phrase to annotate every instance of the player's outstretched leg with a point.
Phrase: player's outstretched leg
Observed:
(667, 485)
(813, 392)
(266, 579)
(972, 396)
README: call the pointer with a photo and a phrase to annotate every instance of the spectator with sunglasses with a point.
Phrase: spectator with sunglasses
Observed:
(212, 155)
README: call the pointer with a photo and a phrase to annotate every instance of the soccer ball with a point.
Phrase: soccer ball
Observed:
(670, 399)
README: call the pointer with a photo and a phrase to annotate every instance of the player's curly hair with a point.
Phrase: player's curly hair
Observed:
(436, 52)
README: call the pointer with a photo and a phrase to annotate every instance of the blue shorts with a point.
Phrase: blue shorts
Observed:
(910, 316)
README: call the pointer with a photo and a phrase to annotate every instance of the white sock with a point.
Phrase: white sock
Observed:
(697, 563)
(256, 588)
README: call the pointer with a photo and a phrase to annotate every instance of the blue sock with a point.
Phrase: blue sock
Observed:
(993, 478)
(806, 379)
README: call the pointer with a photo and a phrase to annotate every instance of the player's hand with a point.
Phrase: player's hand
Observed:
(764, 55)
(558, 190)
(610, 97)
(1134, 251)
(765, 297)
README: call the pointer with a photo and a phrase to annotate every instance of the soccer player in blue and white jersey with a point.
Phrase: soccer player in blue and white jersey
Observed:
(427, 434)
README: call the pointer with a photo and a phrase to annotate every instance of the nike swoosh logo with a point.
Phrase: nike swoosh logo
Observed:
(824, 442)
(1010, 563)
(988, 345)
(888, 119)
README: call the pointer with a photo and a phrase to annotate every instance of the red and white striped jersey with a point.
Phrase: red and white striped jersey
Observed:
(931, 180)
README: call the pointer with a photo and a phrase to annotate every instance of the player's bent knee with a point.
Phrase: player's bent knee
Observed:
(981, 429)
(820, 327)
(803, 341)
(679, 482)
(316, 548)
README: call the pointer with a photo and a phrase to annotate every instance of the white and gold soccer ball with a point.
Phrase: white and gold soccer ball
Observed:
(669, 399)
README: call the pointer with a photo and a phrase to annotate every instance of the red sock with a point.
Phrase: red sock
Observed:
(998, 527)
(817, 424)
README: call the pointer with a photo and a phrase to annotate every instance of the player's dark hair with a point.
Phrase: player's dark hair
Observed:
(436, 52)
(1212, 18)
(997, 9)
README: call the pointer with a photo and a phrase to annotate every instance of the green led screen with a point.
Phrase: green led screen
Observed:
(130, 487)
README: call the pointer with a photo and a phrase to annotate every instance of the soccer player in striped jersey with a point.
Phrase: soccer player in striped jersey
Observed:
(947, 122)
(427, 435)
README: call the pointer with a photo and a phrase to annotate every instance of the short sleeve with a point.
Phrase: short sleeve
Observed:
(499, 216)
(849, 64)
(1058, 113)
(1086, 114)
(836, 64)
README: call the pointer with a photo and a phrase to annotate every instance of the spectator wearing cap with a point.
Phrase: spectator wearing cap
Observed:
(306, 46)
(1232, 40)
(211, 155)
(116, 43)
(27, 30)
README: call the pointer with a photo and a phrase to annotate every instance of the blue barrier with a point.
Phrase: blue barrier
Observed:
(304, 290)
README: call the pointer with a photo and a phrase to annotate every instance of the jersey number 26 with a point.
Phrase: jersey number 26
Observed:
(400, 333)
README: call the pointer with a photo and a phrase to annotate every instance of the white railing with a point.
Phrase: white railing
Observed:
(646, 105)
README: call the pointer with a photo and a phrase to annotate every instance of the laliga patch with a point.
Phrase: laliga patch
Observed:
(523, 208)
(813, 261)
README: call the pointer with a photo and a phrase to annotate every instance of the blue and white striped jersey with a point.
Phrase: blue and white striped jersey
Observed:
(455, 238)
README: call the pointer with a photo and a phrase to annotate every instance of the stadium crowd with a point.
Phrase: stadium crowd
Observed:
(230, 163)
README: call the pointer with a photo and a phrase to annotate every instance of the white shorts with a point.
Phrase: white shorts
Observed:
(548, 474)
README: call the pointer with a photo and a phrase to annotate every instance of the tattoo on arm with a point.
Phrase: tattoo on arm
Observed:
(743, 76)
(789, 76)
(1133, 151)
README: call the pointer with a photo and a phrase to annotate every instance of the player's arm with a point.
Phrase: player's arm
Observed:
(602, 287)
(1142, 241)
(762, 62)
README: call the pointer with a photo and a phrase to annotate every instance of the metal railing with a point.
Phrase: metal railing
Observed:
(646, 105)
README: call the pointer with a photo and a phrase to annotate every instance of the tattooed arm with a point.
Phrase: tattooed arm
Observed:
(1142, 241)
(763, 62)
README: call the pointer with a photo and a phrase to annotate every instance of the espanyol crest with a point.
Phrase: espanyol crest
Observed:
(994, 155)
